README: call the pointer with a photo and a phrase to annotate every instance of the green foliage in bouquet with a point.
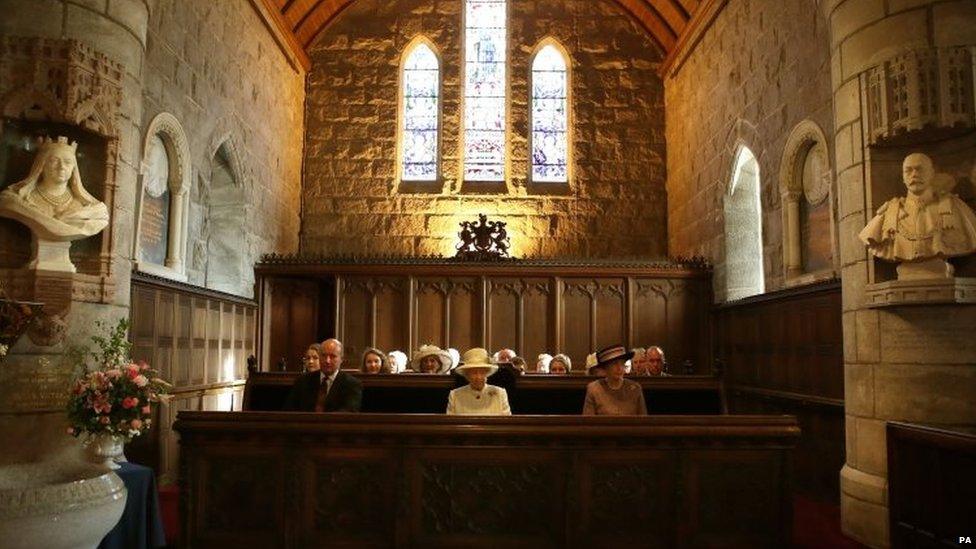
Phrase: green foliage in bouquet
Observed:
(112, 395)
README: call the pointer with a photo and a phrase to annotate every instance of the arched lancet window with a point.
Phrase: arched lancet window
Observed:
(484, 90)
(550, 97)
(420, 113)
(743, 230)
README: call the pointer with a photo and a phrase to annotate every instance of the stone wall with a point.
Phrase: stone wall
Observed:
(760, 69)
(615, 205)
(216, 68)
(904, 363)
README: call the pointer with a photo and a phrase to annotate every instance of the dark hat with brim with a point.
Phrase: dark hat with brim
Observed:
(612, 353)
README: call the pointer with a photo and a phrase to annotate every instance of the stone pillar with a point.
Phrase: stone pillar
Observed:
(906, 363)
(32, 417)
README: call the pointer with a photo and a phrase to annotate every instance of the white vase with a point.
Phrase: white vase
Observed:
(107, 449)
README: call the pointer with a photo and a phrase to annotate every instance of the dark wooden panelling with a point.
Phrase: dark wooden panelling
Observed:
(365, 480)
(783, 353)
(931, 485)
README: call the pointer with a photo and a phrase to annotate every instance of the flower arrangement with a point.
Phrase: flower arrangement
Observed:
(113, 396)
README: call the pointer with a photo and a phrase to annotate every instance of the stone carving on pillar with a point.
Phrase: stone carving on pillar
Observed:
(68, 84)
(919, 232)
(929, 88)
(53, 203)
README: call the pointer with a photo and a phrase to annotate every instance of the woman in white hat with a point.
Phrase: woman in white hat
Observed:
(613, 395)
(431, 359)
(477, 397)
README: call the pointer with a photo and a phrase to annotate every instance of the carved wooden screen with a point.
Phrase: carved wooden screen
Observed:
(531, 314)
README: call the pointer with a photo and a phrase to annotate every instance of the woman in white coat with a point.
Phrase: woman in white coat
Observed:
(477, 397)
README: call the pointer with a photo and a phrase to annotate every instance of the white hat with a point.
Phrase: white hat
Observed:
(590, 361)
(455, 357)
(431, 350)
(545, 359)
(476, 358)
(398, 361)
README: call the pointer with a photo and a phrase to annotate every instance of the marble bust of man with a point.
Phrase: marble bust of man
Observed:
(51, 199)
(923, 228)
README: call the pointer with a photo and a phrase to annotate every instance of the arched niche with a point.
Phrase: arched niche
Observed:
(227, 236)
(806, 187)
(163, 200)
(743, 229)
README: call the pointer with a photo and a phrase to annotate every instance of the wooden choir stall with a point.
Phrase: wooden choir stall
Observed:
(403, 474)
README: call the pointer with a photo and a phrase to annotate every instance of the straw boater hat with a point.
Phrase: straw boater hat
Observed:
(431, 350)
(476, 358)
(609, 354)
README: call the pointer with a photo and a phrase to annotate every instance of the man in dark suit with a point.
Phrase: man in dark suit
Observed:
(327, 390)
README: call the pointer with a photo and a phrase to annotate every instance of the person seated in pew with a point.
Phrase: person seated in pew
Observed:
(504, 356)
(613, 395)
(327, 390)
(560, 364)
(653, 363)
(375, 362)
(431, 359)
(542, 363)
(455, 357)
(398, 361)
(477, 397)
(310, 362)
(518, 364)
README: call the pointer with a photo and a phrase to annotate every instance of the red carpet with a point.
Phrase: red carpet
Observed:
(169, 507)
(817, 526)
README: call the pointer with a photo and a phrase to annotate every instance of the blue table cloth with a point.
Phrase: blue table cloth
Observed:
(141, 525)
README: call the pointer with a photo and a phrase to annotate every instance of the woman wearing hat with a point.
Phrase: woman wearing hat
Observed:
(613, 395)
(560, 364)
(431, 359)
(477, 397)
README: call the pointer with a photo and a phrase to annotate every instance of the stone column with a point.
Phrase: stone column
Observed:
(908, 363)
(32, 416)
(791, 249)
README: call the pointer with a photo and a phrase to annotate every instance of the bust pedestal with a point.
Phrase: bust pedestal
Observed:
(50, 255)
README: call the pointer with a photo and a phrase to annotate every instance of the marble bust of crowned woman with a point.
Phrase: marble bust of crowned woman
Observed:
(51, 199)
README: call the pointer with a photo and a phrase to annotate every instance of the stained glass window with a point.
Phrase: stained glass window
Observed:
(549, 107)
(420, 91)
(484, 90)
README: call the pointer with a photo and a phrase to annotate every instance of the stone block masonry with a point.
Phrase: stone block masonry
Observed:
(615, 204)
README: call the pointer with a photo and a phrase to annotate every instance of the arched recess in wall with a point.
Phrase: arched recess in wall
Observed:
(743, 229)
(419, 118)
(550, 142)
(227, 243)
(163, 200)
(806, 186)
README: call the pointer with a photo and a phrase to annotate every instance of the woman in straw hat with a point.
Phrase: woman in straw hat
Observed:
(431, 359)
(477, 397)
(613, 395)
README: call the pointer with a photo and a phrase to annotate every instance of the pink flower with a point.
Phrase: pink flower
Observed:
(143, 365)
(146, 410)
(101, 405)
(104, 420)
(113, 374)
(140, 380)
(136, 424)
(130, 402)
(71, 430)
